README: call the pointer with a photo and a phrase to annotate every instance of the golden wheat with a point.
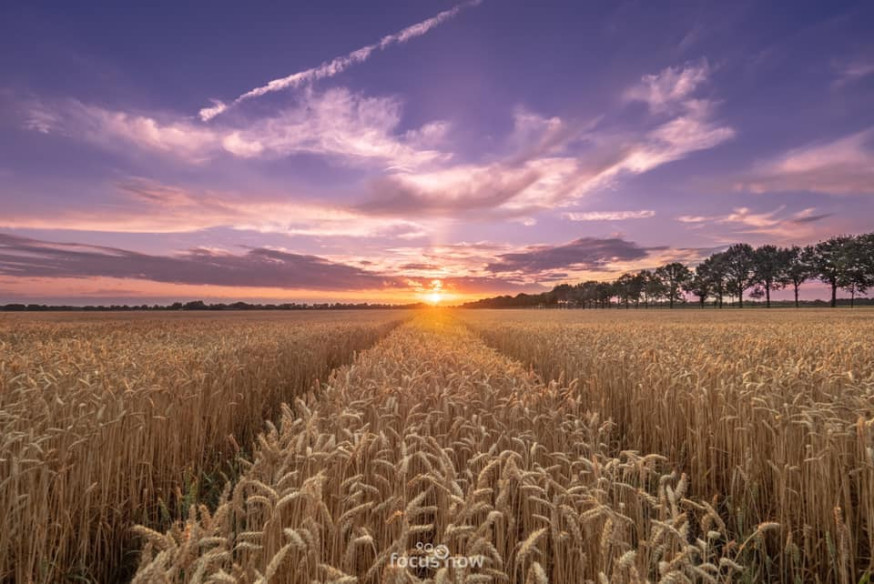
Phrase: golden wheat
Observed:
(617, 447)
(110, 421)
(432, 439)
(770, 413)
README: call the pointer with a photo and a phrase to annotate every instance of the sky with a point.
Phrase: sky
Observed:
(397, 151)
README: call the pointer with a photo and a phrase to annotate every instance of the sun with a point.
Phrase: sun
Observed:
(434, 294)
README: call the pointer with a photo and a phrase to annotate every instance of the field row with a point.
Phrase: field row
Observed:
(772, 414)
(106, 423)
(432, 458)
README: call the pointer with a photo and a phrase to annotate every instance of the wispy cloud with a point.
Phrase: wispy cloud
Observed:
(163, 134)
(543, 163)
(609, 215)
(137, 205)
(556, 163)
(672, 86)
(337, 123)
(338, 64)
(775, 223)
(851, 71)
(841, 167)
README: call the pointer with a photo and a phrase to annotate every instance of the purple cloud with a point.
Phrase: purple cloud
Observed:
(258, 267)
(586, 253)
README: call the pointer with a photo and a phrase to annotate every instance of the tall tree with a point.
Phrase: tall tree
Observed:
(629, 288)
(713, 268)
(856, 276)
(675, 275)
(798, 268)
(623, 285)
(739, 269)
(769, 271)
(653, 287)
(828, 261)
(699, 285)
(605, 291)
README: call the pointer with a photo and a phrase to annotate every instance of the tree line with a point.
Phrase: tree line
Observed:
(843, 262)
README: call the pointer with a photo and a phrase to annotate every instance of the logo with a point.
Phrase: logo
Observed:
(429, 555)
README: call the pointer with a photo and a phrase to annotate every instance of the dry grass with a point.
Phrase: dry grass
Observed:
(432, 438)
(770, 412)
(105, 421)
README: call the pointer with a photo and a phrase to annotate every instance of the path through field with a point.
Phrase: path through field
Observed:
(434, 458)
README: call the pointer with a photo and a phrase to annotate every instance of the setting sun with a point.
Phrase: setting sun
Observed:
(434, 294)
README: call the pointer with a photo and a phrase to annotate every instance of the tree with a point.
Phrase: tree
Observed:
(828, 261)
(637, 285)
(604, 291)
(770, 266)
(856, 276)
(560, 295)
(653, 287)
(699, 285)
(675, 275)
(739, 270)
(798, 267)
(629, 287)
(713, 269)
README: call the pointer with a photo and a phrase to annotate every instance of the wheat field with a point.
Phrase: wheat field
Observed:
(111, 421)
(461, 446)
(431, 437)
(771, 414)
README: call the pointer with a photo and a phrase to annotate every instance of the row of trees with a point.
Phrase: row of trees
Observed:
(843, 262)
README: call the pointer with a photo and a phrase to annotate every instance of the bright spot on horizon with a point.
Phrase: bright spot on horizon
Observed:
(435, 294)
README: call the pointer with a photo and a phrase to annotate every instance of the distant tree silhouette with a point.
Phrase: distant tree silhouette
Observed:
(770, 266)
(674, 275)
(740, 265)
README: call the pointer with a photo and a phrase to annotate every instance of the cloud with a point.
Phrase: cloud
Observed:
(665, 90)
(555, 162)
(337, 123)
(809, 216)
(111, 129)
(775, 223)
(609, 215)
(841, 167)
(692, 131)
(514, 187)
(343, 124)
(491, 285)
(463, 188)
(258, 267)
(339, 64)
(586, 253)
(137, 205)
(852, 71)
(544, 162)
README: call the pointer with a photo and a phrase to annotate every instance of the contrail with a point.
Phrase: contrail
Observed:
(339, 64)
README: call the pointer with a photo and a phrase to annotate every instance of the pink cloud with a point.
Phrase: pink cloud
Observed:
(841, 167)
(339, 124)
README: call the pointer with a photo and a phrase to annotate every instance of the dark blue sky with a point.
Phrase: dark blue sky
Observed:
(387, 145)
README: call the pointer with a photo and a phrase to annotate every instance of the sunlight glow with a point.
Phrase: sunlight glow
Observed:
(434, 294)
